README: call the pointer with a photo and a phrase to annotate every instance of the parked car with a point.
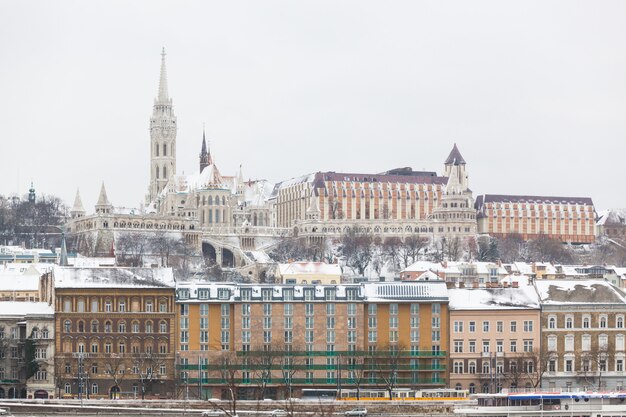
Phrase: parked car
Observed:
(357, 412)
(279, 413)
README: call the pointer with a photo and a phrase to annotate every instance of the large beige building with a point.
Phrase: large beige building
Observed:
(279, 339)
(568, 219)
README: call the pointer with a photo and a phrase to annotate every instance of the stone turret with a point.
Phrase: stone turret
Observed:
(103, 206)
(77, 210)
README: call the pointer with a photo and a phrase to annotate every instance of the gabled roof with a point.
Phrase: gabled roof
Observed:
(576, 291)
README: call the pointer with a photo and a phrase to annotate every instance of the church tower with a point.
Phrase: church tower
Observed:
(205, 156)
(162, 138)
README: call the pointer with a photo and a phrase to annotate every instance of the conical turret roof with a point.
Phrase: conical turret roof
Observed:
(78, 204)
(103, 200)
(455, 157)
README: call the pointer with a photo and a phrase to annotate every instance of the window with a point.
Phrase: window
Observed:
(528, 345)
(528, 325)
(471, 367)
(67, 325)
(586, 342)
(486, 346)
(458, 367)
(552, 323)
(603, 341)
(586, 322)
(513, 326)
(121, 305)
(94, 306)
(513, 346)
(472, 346)
(485, 326)
(500, 346)
(436, 308)
(94, 326)
(458, 346)
(619, 322)
(569, 365)
(458, 327)
(603, 321)
(569, 322)
(472, 326)
(499, 326)
(619, 365)
(569, 343)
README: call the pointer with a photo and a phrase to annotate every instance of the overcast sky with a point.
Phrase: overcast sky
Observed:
(533, 92)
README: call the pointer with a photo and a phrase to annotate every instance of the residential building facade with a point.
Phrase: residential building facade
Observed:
(494, 338)
(582, 330)
(279, 339)
(115, 332)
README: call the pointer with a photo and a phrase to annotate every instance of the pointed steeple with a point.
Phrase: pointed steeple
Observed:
(63, 259)
(204, 154)
(77, 210)
(163, 94)
(455, 157)
(103, 206)
(240, 181)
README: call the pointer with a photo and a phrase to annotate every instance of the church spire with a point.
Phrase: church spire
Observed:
(103, 206)
(77, 210)
(163, 94)
(204, 154)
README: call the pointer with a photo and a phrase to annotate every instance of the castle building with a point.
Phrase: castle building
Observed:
(227, 217)
(400, 202)
(568, 219)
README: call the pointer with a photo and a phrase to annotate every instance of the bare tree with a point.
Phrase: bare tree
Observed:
(454, 248)
(357, 248)
(387, 362)
(392, 251)
(131, 248)
(410, 249)
(230, 371)
(511, 248)
(262, 360)
(595, 362)
(146, 367)
(115, 368)
(356, 373)
(547, 249)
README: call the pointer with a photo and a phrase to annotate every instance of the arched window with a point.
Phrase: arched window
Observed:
(94, 388)
(81, 347)
(135, 326)
(95, 328)
(157, 151)
(149, 326)
(603, 321)
(94, 347)
(81, 326)
(619, 322)
(458, 387)
(68, 388)
(122, 347)
(164, 172)
(162, 327)
(121, 307)
(472, 388)
(157, 173)
(108, 328)
(552, 323)
(586, 322)
(165, 149)
(569, 322)
(121, 327)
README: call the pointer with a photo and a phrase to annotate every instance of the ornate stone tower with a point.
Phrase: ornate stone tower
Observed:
(162, 138)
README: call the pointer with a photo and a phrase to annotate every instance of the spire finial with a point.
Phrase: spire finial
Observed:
(163, 94)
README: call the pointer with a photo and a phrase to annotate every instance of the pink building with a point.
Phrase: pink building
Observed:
(494, 338)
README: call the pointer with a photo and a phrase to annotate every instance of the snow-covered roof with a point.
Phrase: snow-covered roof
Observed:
(309, 268)
(116, 277)
(612, 216)
(18, 282)
(576, 291)
(524, 268)
(82, 262)
(523, 297)
(414, 290)
(256, 193)
(23, 308)
(421, 266)
(428, 276)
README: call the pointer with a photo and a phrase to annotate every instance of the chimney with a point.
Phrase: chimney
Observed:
(515, 284)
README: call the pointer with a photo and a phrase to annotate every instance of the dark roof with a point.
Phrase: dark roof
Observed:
(502, 198)
(320, 177)
(409, 172)
(455, 157)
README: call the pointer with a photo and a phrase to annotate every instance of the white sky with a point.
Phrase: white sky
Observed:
(533, 92)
